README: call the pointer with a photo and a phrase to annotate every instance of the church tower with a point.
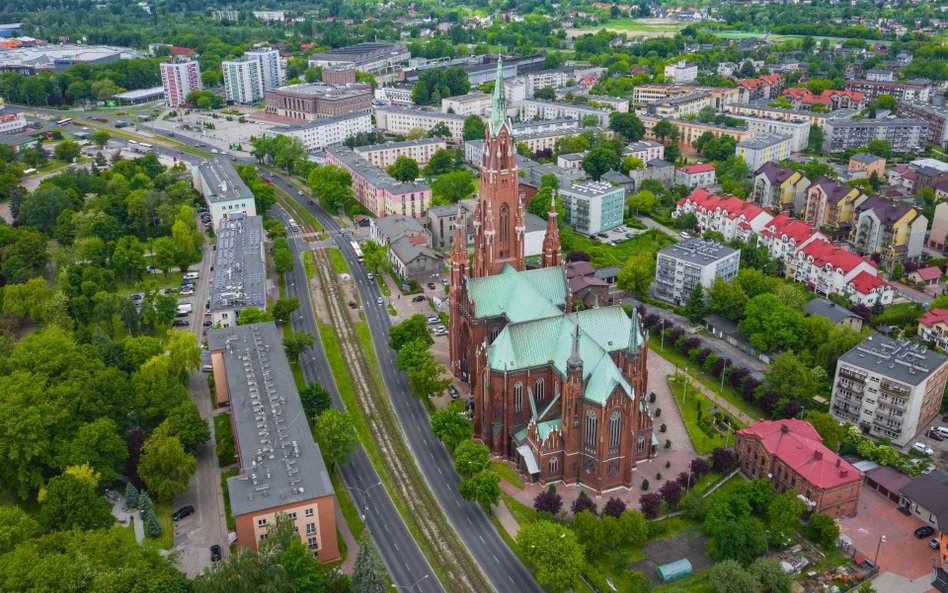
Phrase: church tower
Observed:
(498, 217)
(458, 334)
(551, 241)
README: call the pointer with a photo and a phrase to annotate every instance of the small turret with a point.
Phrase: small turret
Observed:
(551, 241)
(575, 361)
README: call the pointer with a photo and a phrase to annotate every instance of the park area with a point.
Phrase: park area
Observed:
(636, 27)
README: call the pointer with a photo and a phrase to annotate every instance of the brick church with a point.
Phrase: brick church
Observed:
(559, 392)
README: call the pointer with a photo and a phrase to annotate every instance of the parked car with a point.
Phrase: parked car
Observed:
(208, 323)
(207, 368)
(187, 291)
(418, 298)
(432, 319)
(924, 531)
(934, 434)
(171, 291)
(431, 286)
(215, 553)
(370, 276)
(684, 235)
(453, 391)
(181, 323)
(182, 513)
(942, 430)
(934, 543)
(380, 301)
(923, 448)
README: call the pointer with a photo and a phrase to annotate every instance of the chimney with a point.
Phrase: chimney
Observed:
(843, 473)
(818, 454)
(838, 461)
(784, 428)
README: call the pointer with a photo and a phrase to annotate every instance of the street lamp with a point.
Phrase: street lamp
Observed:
(412, 587)
(684, 390)
(663, 335)
(878, 548)
(365, 497)
(723, 372)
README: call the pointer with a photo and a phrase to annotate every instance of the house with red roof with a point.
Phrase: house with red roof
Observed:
(827, 268)
(182, 51)
(792, 456)
(928, 276)
(802, 98)
(729, 215)
(933, 327)
(784, 236)
(696, 176)
(763, 88)
(868, 289)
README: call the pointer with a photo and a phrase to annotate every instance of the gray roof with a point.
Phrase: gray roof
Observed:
(577, 108)
(221, 183)
(282, 463)
(322, 121)
(829, 310)
(375, 176)
(761, 141)
(894, 122)
(240, 277)
(157, 91)
(616, 177)
(902, 360)
(424, 112)
(608, 272)
(590, 189)
(571, 131)
(326, 92)
(658, 164)
(397, 226)
(931, 492)
(865, 157)
(698, 251)
(533, 223)
(407, 252)
(402, 144)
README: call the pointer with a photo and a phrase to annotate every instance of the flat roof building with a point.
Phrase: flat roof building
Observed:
(402, 120)
(367, 57)
(315, 100)
(378, 191)
(763, 148)
(419, 150)
(223, 189)
(141, 96)
(889, 388)
(240, 274)
(593, 206)
(319, 134)
(905, 134)
(282, 470)
(682, 266)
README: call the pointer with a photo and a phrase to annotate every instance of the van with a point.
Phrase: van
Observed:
(191, 276)
(922, 448)
(942, 430)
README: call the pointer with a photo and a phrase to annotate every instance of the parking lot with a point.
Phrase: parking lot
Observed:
(617, 235)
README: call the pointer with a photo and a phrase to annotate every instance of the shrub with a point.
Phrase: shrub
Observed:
(671, 492)
(710, 361)
(584, 503)
(684, 479)
(548, 502)
(650, 504)
(614, 508)
(651, 320)
(131, 496)
(791, 409)
(700, 466)
(152, 527)
(693, 355)
(690, 344)
(718, 367)
(703, 356)
(658, 412)
(768, 401)
(737, 377)
(723, 459)
(749, 388)
(658, 476)
(668, 443)
(675, 334)
(668, 464)
(645, 484)
(662, 428)
(651, 398)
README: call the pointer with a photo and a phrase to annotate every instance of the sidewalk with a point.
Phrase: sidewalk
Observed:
(712, 395)
(123, 516)
(352, 547)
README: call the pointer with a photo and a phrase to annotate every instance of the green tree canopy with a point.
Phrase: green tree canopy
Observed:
(450, 426)
(413, 328)
(769, 324)
(470, 457)
(637, 273)
(335, 432)
(554, 551)
(404, 168)
(474, 128)
(165, 467)
(483, 488)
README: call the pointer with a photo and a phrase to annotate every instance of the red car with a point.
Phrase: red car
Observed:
(932, 433)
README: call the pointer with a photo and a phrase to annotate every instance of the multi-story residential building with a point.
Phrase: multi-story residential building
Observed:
(893, 231)
(797, 129)
(243, 80)
(681, 267)
(935, 115)
(826, 268)
(319, 134)
(571, 161)
(784, 236)
(679, 106)
(938, 237)
(779, 188)
(728, 215)
(469, 104)
(645, 150)
(540, 109)
(863, 165)
(383, 155)
(696, 176)
(905, 134)
(546, 140)
(762, 110)
(764, 88)
(681, 72)
(691, 130)
(365, 57)
(443, 220)
(555, 78)
(281, 468)
(802, 98)
(396, 95)
(401, 120)
(271, 66)
(307, 101)
(620, 104)
(388, 229)
(916, 90)
(536, 126)
(223, 190)
(933, 327)
(791, 455)
(644, 94)
(376, 190)
(889, 388)
(763, 148)
(240, 271)
(179, 78)
(880, 75)
(269, 15)
(593, 206)
(830, 204)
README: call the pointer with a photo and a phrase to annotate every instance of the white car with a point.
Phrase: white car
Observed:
(923, 448)
(380, 301)
(370, 276)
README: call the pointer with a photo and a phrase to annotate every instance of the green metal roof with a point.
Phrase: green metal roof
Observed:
(519, 296)
(545, 429)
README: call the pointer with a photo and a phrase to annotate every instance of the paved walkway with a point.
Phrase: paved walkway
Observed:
(712, 395)
(506, 519)
(352, 547)
(123, 516)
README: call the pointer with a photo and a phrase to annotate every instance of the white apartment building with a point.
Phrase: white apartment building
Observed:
(401, 120)
(681, 73)
(240, 278)
(546, 140)
(319, 134)
(593, 206)
(224, 191)
(645, 150)
(269, 15)
(763, 148)
(700, 175)
(398, 95)
(469, 104)
(540, 109)
(383, 155)
(889, 388)
(243, 80)
(728, 215)
(797, 129)
(180, 77)
(679, 268)
(535, 81)
(271, 66)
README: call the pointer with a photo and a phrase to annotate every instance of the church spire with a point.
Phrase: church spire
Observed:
(498, 113)
(459, 249)
(575, 360)
(635, 333)
(551, 241)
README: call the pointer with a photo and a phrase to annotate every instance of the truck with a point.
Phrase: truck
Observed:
(184, 309)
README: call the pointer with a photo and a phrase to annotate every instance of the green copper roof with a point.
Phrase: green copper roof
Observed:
(544, 429)
(540, 341)
(519, 296)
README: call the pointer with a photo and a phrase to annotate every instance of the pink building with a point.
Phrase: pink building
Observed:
(179, 77)
(376, 190)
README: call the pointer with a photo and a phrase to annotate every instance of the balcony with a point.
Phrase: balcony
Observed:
(894, 390)
(851, 375)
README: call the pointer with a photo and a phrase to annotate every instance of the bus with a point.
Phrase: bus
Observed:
(358, 251)
(64, 121)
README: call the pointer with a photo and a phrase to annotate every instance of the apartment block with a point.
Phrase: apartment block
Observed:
(679, 106)
(376, 190)
(179, 78)
(905, 134)
(644, 150)
(644, 94)
(365, 57)
(224, 191)
(469, 104)
(540, 109)
(797, 129)
(890, 230)
(682, 266)
(240, 272)
(593, 206)
(271, 66)
(319, 134)
(282, 471)
(936, 116)
(780, 188)
(691, 130)
(696, 176)
(681, 72)
(889, 388)
(243, 80)
(762, 110)
(763, 148)
(401, 120)
(917, 90)
(383, 155)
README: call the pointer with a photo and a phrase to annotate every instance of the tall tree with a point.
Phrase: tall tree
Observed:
(450, 426)
(427, 379)
(70, 501)
(554, 551)
(404, 168)
(316, 399)
(470, 458)
(599, 161)
(695, 307)
(165, 466)
(336, 435)
(368, 573)
(474, 128)
(413, 328)
(637, 274)
(627, 124)
(483, 487)
(185, 422)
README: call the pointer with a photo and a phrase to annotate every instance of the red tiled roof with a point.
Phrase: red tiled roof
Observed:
(182, 51)
(700, 168)
(732, 206)
(864, 282)
(929, 273)
(934, 316)
(826, 253)
(797, 444)
(783, 224)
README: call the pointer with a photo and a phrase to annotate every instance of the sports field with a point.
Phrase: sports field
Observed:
(641, 27)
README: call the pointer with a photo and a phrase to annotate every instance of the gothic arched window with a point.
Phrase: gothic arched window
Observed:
(541, 393)
(615, 430)
(592, 424)
(554, 465)
(518, 397)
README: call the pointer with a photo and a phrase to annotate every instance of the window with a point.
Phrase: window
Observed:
(554, 465)
(615, 428)
(310, 528)
(518, 397)
(261, 522)
(312, 543)
(263, 536)
(641, 445)
(292, 516)
(308, 512)
(591, 424)
(541, 395)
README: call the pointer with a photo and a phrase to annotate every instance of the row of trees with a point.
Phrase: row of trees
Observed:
(411, 339)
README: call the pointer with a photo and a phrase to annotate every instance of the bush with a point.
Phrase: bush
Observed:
(668, 443)
(662, 428)
(690, 344)
(651, 398)
(822, 529)
(723, 459)
(614, 508)
(768, 401)
(671, 492)
(152, 527)
(658, 476)
(658, 412)
(548, 502)
(644, 484)
(650, 504)
(668, 464)
(749, 389)
(584, 503)
(737, 377)
(791, 409)
(700, 466)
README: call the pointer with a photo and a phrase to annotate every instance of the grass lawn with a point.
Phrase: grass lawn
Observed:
(223, 435)
(383, 285)
(352, 515)
(507, 473)
(702, 442)
(231, 524)
(172, 280)
(521, 512)
(165, 541)
(898, 314)
(608, 255)
(391, 310)
(730, 394)
(308, 264)
(338, 262)
(637, 25)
